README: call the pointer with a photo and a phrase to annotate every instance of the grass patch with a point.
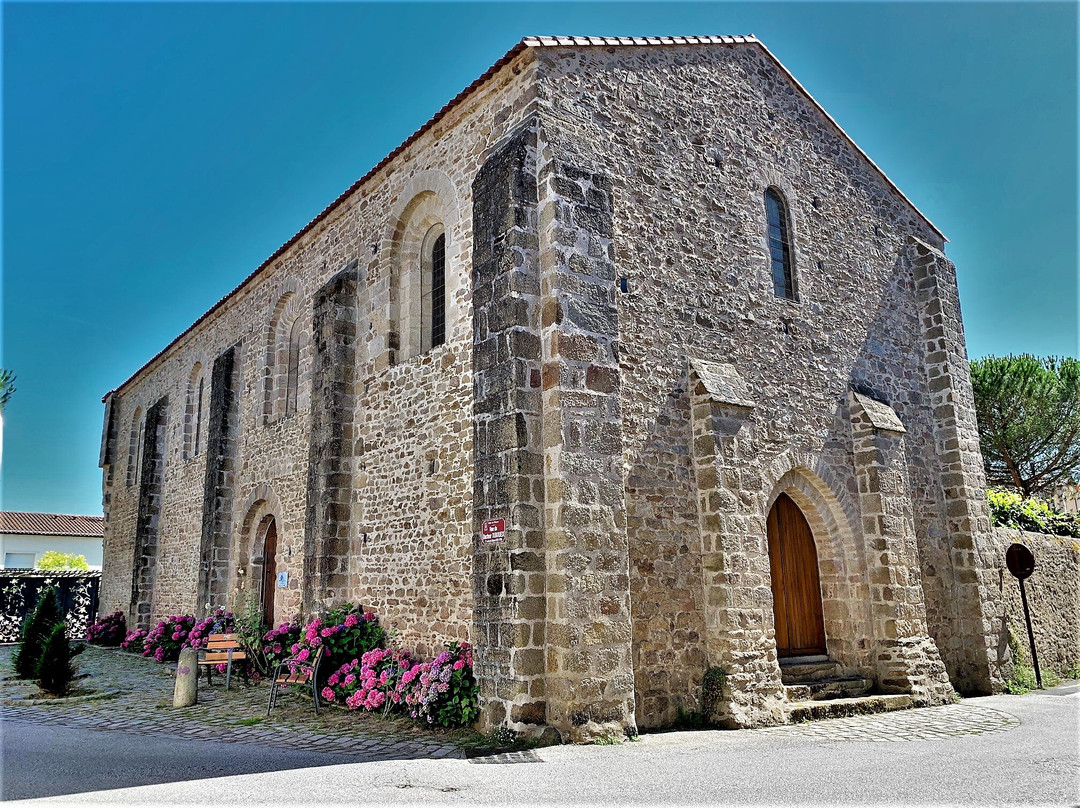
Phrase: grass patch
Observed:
(250, 722)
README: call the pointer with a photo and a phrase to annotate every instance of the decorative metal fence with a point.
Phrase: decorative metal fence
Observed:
(20, 589)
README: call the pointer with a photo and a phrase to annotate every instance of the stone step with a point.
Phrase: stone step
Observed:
(800, 673)
(840, 708)
(841, 687)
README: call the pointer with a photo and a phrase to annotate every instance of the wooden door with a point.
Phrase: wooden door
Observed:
(269, 577)
(800, 627)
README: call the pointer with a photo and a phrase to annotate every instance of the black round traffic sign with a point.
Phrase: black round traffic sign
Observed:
(1020, 561)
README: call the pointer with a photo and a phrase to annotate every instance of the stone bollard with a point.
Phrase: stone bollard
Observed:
(186, 692)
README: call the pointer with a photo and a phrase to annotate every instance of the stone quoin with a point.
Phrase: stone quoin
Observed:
(646, 303)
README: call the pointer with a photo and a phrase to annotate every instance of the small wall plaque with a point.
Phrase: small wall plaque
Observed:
(283, 580)
(493, 531)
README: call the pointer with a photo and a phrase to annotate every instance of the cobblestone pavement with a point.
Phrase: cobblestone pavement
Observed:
(144, 706)
(948, 721)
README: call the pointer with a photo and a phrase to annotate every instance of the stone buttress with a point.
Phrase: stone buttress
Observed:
(552, 605)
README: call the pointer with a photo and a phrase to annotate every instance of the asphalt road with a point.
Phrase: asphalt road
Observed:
(1036, 762)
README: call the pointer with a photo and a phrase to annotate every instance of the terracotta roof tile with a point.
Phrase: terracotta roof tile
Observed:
(51, 524)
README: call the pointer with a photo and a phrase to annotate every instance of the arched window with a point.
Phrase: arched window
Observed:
(193, 412)
(421, 308)
(779, 244)
(292, 370)
(135, 448)
(286, 352)
(433, 289)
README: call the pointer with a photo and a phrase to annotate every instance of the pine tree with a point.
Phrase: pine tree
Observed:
(36, 628)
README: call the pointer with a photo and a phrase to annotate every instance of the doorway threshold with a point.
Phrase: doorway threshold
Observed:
(804, 660)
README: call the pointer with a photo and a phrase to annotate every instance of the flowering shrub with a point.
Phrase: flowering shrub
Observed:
(134, 641)
(441, 692)
(345, 633)
(277, 644)
(444, 690)
(220, 622)
(372, 682)
(167, 638)
(110, 630)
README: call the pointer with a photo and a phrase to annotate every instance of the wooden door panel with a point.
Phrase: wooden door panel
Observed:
(269, 583)
(800, 626)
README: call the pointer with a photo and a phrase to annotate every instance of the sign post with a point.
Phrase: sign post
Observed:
(1021, 563)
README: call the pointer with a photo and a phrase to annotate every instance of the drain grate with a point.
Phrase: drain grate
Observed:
(524, 756)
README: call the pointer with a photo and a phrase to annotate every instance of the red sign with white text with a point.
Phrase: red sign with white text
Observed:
(493, 531)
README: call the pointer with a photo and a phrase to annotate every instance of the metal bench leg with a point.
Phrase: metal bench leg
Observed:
(228, 672)
(270, 704)
(315, 694)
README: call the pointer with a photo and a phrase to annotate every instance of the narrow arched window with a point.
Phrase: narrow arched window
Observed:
(198, 416)
(193, 410)
(292, 377)
(135, 448)
(433, 290)
(779, 245)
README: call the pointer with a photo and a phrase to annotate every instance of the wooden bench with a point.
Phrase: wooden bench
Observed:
(294, 672)
(223, 649)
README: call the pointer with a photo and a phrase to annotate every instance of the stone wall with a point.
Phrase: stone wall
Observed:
(1053, 593)
(689, 239)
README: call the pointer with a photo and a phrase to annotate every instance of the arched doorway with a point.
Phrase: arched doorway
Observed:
(269, 571)
(800, 625)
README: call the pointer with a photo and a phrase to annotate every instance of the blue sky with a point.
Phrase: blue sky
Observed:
(154, 154)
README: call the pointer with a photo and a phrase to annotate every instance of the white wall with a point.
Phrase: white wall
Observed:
(80, 545)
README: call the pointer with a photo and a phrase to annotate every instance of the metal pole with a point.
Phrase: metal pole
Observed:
(1031, 635)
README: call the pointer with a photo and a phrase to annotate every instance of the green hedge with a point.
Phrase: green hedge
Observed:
(1008, 509)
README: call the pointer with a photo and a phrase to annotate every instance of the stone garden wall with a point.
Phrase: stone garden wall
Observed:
(1053, 592)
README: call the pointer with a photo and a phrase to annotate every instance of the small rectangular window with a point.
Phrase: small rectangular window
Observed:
(18, 561)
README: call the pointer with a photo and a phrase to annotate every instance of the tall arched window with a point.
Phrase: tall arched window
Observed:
(286, 353)
(292, 372)
(433, 289)
(779, 244)
(193, 412)
(135, 448)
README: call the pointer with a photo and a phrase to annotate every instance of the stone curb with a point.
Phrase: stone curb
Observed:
(105, 694)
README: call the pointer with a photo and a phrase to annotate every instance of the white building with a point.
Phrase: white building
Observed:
(25, 537)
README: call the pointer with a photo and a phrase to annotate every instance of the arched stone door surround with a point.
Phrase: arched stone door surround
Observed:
(262, 520)
(841, 569)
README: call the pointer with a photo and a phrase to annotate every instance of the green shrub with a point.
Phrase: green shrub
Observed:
(54, 669)
(1009, 509)
(55, 560)
(36, 628)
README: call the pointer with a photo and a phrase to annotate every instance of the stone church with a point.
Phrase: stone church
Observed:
(629, 365)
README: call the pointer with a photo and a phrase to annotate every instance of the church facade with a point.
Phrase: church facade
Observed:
(627, 367)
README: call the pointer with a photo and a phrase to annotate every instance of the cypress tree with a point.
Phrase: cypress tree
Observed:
(54, 668)
(35, 629)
